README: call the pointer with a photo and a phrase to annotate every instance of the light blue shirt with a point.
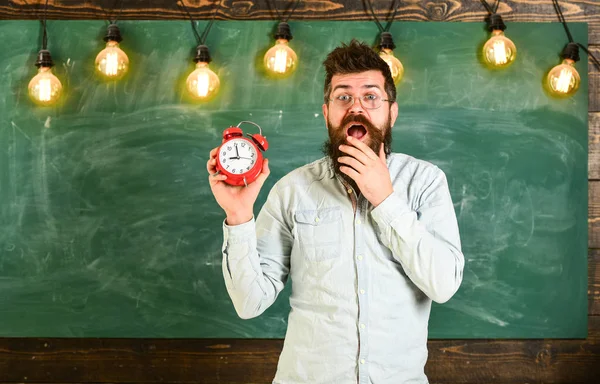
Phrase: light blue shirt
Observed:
(362, 281)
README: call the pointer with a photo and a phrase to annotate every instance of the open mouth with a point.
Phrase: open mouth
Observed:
(358, 131)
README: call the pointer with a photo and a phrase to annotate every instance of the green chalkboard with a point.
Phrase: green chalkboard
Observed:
(108, 227)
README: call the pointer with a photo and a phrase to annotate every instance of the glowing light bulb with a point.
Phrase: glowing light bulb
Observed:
(202, 83)
(386, 52)
(563, 80)
(44, 88)
(499, 51)
(112, 62)
(281, 60)
(395, 65)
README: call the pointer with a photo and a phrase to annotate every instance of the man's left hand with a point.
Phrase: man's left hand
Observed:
(367, 169)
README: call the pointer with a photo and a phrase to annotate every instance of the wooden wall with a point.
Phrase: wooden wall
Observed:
(35, 360)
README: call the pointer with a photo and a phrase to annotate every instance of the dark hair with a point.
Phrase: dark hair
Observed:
(356, 57)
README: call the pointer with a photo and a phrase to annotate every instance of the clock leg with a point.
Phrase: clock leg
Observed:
(246, 184)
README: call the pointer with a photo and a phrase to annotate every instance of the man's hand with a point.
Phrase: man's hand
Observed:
(237, 202)
(367, 169)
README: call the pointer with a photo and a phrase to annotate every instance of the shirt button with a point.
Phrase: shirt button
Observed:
(362, 326)
(359, 257)
(362, 291)
(358, 222)
(317, 220)
(362, 361)
(349, 191)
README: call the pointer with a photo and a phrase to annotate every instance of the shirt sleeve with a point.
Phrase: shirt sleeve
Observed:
(256, 259)
(425, 242)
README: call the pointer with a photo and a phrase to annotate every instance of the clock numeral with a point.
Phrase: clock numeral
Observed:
(233, 170)
(247, 169)
(251, 161)
(227, 166)
(243, 144)
(229, 148)
(252, 154)
(224, 160)
(224, 153)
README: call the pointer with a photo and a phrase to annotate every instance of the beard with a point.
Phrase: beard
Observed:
(337, 136)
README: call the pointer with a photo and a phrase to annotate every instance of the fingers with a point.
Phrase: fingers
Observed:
(382, 153)
(265, 172)
(350, 172)
(355, 153)
(362, 147)
(214, 179)
(352, 162)
(211, 164)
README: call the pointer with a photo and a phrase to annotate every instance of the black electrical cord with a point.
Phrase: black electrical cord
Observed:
(561, 18)
(289, 15)
(118, 14)
(45, 35)
(389, 24)
(201, 38)
(489, 8)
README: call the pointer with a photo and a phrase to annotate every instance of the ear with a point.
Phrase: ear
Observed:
(393, 112)
(325, 111)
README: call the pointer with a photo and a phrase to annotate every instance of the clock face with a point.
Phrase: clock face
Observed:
(237, 156)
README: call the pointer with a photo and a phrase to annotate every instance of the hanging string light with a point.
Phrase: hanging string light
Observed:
(202, 84)
(386, 45)
(281, 60)
(44, 88)
(499, 51)
(112, 63)
(563, 80)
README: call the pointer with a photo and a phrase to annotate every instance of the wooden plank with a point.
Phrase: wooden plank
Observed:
(593, 82)
(594, 144)
(594, 214)
(255, 360)
(438, 10)
(594, 282)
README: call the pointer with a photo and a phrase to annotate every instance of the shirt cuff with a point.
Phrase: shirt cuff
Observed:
(237, 234)
(390, 210)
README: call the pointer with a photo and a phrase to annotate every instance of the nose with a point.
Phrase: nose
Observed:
(356, 106)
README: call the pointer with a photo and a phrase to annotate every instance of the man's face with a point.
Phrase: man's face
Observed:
(371, 126)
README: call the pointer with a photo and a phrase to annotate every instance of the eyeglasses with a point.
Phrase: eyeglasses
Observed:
(368, 101)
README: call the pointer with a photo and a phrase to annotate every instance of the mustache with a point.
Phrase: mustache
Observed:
(361, 119)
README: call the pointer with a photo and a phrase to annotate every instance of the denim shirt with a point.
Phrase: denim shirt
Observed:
(363, 278)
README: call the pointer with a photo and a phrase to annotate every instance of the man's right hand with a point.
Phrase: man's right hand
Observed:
(237, 202)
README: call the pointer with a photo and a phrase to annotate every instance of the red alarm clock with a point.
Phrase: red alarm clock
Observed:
(240, 158)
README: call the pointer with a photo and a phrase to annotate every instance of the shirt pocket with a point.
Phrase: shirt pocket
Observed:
(319, 233)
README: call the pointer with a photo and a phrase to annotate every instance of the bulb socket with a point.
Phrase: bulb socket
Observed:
(44, 59)
(113, 33)
(202, 54)
(495, 22)
(284, 31)
(570, 51)
(386, 41)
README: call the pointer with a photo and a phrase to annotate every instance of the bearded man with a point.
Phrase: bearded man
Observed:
(368, 237)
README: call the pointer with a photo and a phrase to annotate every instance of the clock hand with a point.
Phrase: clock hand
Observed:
(234, 158)
(236, 151)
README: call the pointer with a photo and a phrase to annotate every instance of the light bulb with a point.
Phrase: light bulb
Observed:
(499, 51)
(202, 83)
(45, 88)
(395, 65)
(112, 62)
(563, 80)
(281, 60)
